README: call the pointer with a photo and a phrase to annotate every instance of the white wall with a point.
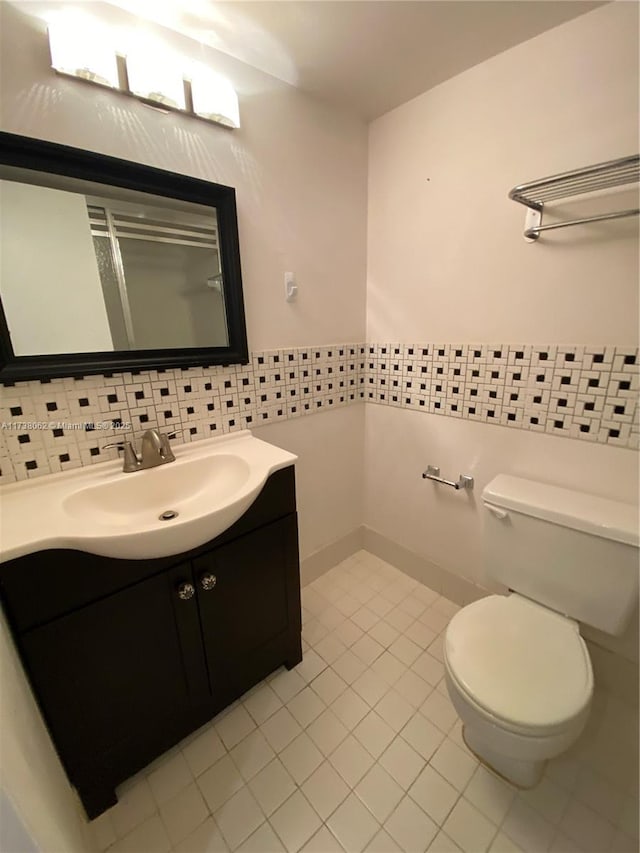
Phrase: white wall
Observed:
(299, 170)
(447, 262)
(49, 279)
(446, 257)
(32, 775)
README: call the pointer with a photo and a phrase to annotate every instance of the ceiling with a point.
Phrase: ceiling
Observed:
(366, 55)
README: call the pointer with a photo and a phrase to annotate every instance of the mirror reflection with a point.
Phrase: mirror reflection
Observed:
(86, 267)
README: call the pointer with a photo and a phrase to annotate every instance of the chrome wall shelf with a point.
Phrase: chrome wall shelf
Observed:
(536, 194)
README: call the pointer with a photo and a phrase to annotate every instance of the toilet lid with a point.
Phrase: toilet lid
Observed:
(519, 661)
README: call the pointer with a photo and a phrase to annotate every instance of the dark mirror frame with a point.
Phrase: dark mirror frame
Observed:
(41, 156)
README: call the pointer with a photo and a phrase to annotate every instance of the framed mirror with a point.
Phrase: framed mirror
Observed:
(108, 265)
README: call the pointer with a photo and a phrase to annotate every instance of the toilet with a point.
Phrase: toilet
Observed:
(516, 668)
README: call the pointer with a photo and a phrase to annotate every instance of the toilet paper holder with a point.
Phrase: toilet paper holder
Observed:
(465, 481)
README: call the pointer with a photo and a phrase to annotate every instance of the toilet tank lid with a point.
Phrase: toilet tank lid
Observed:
(602, 517)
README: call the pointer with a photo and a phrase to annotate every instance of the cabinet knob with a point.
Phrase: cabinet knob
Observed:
(186, 591)
(208, 581)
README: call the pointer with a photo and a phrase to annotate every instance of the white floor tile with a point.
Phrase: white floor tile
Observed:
(323, 842)
(525, 826)
(263, 840)
(301, 758)
(353, 825)
(286, 684)
(220, 782)
(451, 762)
(434, 794)
(443, 844)
(402, 762)
(239, 817)
(348, 633)
(262, 702)
(331, 618)
(380, 605)
(592, 832)
(306, 706)
(410, 827)
(313, 631)
(325, 789)
(367, 649)
(347, 605)
(413, 606)
(272, 786)
(435, 620)
(394, 710)
(184, 813)
(405, 650)
(428, 668)
(349, 666)
(389, 668)
(489, 794)
(384, 633)
(312, 664)
(252, 754)
(327, 732)
(422, 735)
(148, 837)
(207, 838)
(399, 619)
(204, 751)
(350, 708)
(374, 734)
(134, 806)
(169, 778)
(280, 729)
(414, 689)
(351, 760)
(365, 619)
(379, 792)
(328, 685)
(503, 844)
(295, 822)
(330, 648)
(235, 726)
(439, 710)
(370, 687)
(470, 830)
(444, 605)
(420, 634)
(102, 831)
(548, 799)
(382, 842)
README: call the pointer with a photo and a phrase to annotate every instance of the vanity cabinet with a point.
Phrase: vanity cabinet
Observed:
(127, 657)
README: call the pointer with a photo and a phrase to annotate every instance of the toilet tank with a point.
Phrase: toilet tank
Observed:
(572, 552)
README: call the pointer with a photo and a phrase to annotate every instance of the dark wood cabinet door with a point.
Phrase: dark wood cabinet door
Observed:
(250, 614)
(117, 677)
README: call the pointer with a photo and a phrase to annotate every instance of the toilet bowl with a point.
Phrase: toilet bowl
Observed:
(520, 679)
(516, 668)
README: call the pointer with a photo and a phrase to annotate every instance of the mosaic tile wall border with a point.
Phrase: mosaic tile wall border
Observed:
(580, 392)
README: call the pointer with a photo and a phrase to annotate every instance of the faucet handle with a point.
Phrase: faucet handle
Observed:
(131, 461)
(165, 448)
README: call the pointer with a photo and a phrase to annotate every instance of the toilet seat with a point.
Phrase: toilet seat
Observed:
(525, 667)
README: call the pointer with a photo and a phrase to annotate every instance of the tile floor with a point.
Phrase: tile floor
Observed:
(359, 748)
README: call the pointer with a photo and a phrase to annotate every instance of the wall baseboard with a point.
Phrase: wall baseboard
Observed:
(316, 564)
(456, 588)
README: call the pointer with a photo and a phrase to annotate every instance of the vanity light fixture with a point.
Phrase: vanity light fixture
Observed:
(79, 49)
(214, 98)
(155, 77)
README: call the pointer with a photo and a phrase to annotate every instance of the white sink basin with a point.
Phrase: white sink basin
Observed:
(104, 511)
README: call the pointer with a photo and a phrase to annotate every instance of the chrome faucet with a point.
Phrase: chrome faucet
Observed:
(155, 451)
